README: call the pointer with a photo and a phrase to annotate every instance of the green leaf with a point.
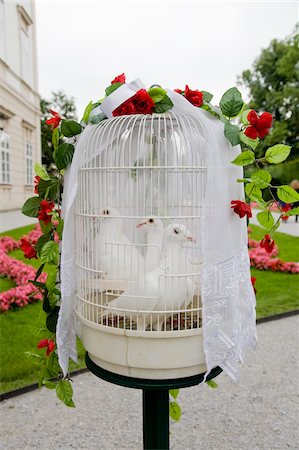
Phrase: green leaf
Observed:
(70, 128)
(53, 298)
(274, 228)
(157, 94)
(175, 411)
(174, 392)
(244, 158)
(46, 227)
(64, 155)
(232, 133)
(41, 171)
(87, 111)
(292, 212)
(207, 96)
(49, 252)
(212, 384)
(46, 305)
(277, 153)
(244, 180)
(253, 192)
(31, 207)
(39, 271)
(164, 105)
(49, 384)
(252, 143)
(40, 333)
(38, 284)
(59, 228)
(97, 118)
(34, 358)
(48, 188)
(42, 240)
(51, 320)
(112, 88)
(55, 138)
(266, 219)
(51, 279)
(287, 194)
(231, 102)
(261, 178)
(244, 115)
(64, 392)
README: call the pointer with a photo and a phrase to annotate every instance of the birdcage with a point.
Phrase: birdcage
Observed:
(138, 219)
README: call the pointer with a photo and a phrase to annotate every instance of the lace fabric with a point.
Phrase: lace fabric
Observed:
(227, 295)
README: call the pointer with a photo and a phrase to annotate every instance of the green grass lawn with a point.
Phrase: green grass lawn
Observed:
(276, 292)
(17, 332)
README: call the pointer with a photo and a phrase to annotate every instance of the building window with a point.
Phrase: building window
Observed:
(28, 156)
(2, 30)
(4, 158)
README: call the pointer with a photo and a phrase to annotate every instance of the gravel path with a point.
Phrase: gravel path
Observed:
(258, 413)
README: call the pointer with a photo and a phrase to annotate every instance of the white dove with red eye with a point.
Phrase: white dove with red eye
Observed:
(154, 228)
(116, 255)
(161, 289)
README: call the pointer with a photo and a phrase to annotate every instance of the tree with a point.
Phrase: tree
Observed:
(66, 107)
(273, 86)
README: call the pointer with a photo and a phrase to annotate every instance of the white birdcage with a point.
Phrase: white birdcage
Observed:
(152, 253)
(137, 224)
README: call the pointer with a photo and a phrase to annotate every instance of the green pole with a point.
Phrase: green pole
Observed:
(155, 405)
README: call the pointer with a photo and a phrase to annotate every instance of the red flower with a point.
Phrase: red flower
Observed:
(143, 102)
(48, 343)
(241, 208)
(119, 79)
(267, 243)
(259, 126)
(140, 103)
(55, 120)
(45, 209)
(194, 97)
(28, 249)
(253, 280)
(179, 91)
(36, 182)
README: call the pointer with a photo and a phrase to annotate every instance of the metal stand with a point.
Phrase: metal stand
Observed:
(155, 400)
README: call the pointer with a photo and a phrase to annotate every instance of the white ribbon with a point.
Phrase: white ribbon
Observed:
(118, 97)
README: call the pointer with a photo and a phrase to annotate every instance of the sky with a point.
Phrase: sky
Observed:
(83, 45)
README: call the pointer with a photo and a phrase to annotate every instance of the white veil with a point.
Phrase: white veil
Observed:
(227, 294)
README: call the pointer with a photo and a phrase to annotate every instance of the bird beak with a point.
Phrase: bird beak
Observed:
(140, 225)
(190, 238)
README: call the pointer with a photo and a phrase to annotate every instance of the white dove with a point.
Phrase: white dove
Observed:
(154, 229)
(160, 289)
(115, 253)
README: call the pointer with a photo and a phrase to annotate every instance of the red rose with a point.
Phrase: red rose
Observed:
(55, 120)
(47, 343)
(259, 126)
(125, 109)
(28, 249)
(194, 97)
(36, 182)
(119, 79)
(253, 280)
(179, 91)
(140, 103)
(144, 104)
(267, 243)
(45, 209)
(241, 208)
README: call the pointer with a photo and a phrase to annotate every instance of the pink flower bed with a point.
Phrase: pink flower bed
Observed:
(262, 260)
(25, 292)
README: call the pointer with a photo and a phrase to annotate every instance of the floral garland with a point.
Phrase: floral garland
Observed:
(46, 204)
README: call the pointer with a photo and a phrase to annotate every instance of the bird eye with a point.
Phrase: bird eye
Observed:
(176, 230)
(151, 220)
(106, 212)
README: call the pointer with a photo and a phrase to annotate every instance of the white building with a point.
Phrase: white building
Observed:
(20, 143)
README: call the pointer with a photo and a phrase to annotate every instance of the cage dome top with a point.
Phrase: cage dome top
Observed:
(161, 154)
